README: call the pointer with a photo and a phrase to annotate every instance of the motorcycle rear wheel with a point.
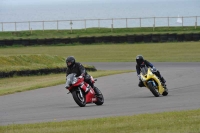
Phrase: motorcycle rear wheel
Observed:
(100, 99)
(81, 101)
(153, 90)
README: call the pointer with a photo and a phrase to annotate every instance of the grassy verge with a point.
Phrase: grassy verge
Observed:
(30, 62)
(167, 122)
(19, 84)
(95, 32)
(155, 52)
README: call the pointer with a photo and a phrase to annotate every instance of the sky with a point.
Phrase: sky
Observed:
(30, 2)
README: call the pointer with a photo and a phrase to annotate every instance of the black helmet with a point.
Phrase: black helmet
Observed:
(139, 59)
(70, 59)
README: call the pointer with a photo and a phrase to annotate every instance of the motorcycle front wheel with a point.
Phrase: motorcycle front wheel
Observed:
(153, 90)
(79, 97)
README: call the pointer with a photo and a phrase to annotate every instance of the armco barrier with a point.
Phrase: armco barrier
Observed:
(98, 39)
(147, 38)
(106, 39)
(163, 37)
(33, 41)
(180, 37)
(2, 43)
(188, 36)
(17, 41)
(172, 37)
(73, 40)
(130, 38)
(9, 42)
(196, 37)
(25, 42)
(66, 40)
(115, 39)
(122, 39)
(38, 72)
(155, 37)
(139, 38)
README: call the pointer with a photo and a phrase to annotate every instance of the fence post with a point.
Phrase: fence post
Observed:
(2, 26)
(168, 22)
(112, 21)
(57, 25)
(85, 24)
(112, 25)
(196, 23)
(15, 26)
(126, 23)
(99, 23)
(182, 21)
(29, 25)
(71, 25)
(140, 22)
(43, 25)
(154, 23)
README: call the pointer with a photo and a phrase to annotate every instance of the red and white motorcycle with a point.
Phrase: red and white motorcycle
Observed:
(82, 92)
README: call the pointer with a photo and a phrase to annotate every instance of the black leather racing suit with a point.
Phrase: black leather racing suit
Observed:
(79, 69)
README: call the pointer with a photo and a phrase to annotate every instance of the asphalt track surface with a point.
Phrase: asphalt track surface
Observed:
(121, 92)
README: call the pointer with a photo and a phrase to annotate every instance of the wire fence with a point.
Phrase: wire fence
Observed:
(101, 23)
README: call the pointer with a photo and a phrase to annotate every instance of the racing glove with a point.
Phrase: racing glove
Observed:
(139, 77)
(153, 69)
(82, 75)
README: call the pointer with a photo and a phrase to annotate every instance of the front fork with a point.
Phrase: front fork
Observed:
(152, 82)
(81, 93)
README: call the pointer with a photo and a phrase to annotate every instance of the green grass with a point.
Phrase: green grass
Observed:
(95, 32)
(166, 122)
(154, 52)
(20, 84)
(30, 62)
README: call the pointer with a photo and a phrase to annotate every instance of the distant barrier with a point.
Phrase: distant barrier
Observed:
(146, 38)
(99, 23)
(43, 71)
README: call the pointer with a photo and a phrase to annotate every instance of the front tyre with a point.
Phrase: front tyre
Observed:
(79, 97)
(100, 98)
(165, 93)
(153, 90)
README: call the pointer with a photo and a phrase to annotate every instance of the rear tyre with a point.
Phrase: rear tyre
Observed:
(153, 90)
(100, 98)
(79, 97)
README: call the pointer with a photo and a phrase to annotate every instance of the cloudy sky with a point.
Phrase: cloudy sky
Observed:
(21, 2)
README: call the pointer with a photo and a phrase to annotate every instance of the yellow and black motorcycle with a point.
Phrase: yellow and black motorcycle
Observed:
(152, 82)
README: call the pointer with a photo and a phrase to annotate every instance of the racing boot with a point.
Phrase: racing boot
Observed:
(96, 90)
(163, 81)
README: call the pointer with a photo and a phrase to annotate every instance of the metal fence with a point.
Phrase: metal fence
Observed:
(101, 23)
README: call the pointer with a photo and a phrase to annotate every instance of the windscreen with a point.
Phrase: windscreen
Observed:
(144, 70)
(70, 79)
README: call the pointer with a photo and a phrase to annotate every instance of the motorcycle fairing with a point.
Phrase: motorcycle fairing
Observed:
(149, 76)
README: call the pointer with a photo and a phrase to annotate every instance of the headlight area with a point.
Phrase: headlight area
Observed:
(74, 81)
(143, 79)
